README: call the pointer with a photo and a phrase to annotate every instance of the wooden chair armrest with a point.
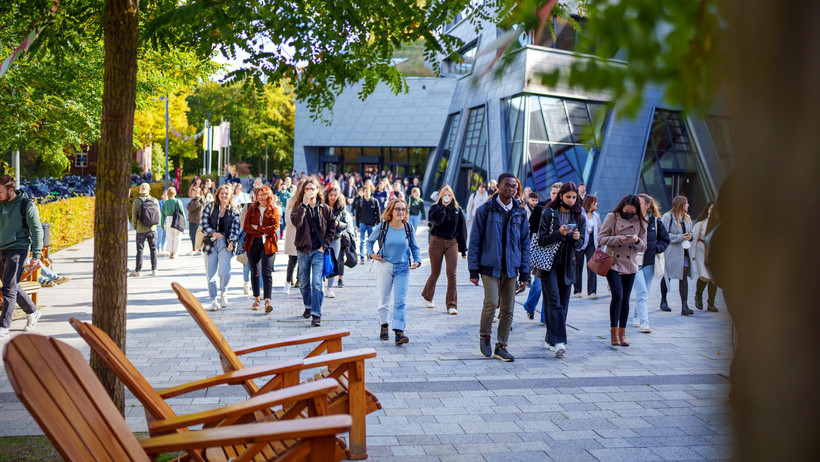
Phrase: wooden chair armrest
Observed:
(298, 340)
(334, 359)
(260, 432)
(234, 377)
(264, 401)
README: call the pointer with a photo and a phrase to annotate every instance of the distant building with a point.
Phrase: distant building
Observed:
(84, 161)
(463, 128)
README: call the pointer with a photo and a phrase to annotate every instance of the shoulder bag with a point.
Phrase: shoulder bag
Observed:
(660, 259)
(542, 257)
(178, 221)
(601, 262)
(329, 266)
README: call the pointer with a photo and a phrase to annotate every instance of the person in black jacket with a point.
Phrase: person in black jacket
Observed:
(657, 239)
(368, 215)
(448, 230)
(561, 222)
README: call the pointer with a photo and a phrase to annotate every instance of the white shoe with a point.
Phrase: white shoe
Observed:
(429, 303)
(635, 322)
(154, 273)
(245, 289)
(645, 328)
(31, 320)
(135, 274)
(223, 300)
(214, 305)
(4, 334)
(286, 288)
(560, 349)
(578, 295)
(548, 346)
(452, 310)
(329, 293)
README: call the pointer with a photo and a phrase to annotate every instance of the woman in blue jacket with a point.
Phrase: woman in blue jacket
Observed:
(657, 239)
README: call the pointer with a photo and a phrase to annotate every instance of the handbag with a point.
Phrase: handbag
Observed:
(329, 266)
(178, 221)
(601, 262)
(199, 238)
(542, 257)
(660, 265)
(242, 258)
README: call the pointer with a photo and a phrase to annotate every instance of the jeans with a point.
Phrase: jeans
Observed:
(395, 277)
(532, 299)
(47, 275)
(161, 237)
(218, 261)
(310, 280)
(415, 220)
(494, 289)
(192, 227)
(261, 267)
(336, 245)
(151, 237)
(556, 302)
(440, 249)
(621, 287)
(11, 269)
(592, 278)
(643, 282)
(364, 229)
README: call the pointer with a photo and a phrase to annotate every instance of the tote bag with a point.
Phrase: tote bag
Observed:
(542, 257)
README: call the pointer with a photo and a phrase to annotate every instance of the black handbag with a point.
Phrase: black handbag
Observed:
(178, 222)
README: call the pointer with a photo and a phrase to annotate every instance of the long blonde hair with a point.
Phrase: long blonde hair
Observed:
(654, 208)
(679, 209)
(447, 188)
(230, 203)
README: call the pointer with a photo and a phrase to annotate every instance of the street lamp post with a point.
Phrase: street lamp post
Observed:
(266, 160)
(207, 133)
(167, 124)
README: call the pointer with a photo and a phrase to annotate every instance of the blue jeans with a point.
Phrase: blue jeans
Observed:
(364, 229)
(310, 280)
(415, 220)
(643, 281)
(161, 233)
(533, 297)
(218, 261)
(395, 277)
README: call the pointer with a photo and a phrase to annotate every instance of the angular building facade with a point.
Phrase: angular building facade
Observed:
(470, 124)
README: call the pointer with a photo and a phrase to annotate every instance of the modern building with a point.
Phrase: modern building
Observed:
(471, 124)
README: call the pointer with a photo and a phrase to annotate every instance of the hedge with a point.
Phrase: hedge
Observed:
(72, 221)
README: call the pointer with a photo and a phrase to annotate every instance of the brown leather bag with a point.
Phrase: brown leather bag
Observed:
(601, 262)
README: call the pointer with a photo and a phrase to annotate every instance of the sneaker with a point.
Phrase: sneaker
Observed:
(64, 279)
(214, 305)
(135, 274)
(245, 289)
(520, 290)
(31, 320)
(383, 335)
(48, 284)
(401, 339)
(429, 304)
(306, 313)
(645, 328)
(530, 314)
(286, 288)
(560, 349)
(340, 284)
(329, 293)
(547, 346)
(361, 261)
(173, 256)
(452, 310)
(255, 305)
(4, 334)
(484, 346)
(495, 319)
(502, 354)
(577, 295)
(316, 321)
(154, 273)
(223, 300)
(635, 322)
(268, 308)
(593, 296)
(296, 285)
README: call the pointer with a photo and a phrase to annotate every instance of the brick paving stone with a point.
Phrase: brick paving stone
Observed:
(622, 454)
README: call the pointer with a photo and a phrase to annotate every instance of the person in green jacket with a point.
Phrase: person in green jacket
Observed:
(145, 232)
(416, 208)
(169, 208)
(20, 228)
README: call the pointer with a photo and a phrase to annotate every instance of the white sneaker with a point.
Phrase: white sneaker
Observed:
(245, 289)
(548, 346)
(154, 273)
(429, 303)
(560, 349)
(223, 300)
(214, 305)
(31, 320)
(578, 295)
(635, 322)
(329, 293)
(4, 334)
(286, 288)
(645, 328)
(135, 274)
(452, 310)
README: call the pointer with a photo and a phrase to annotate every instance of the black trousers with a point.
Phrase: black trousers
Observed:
(683, 286)
(12, 262)
(259, 261)
(556, 302)
(592, 278)
(151, 237)
(621, 287)
(292, 259)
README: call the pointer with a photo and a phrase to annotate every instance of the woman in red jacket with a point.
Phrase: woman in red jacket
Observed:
(262, 226)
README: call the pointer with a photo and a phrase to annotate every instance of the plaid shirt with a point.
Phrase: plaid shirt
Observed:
(205, 223)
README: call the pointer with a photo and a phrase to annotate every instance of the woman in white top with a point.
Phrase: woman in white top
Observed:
(699, 262)
(593, 226)
(476, 200)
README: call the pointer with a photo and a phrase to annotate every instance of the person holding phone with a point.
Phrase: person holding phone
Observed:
(678, 264)
(624, 235)
(448, 237)
(398, 254)
(561, 222)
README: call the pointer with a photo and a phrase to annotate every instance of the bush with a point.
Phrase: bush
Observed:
(72, 221)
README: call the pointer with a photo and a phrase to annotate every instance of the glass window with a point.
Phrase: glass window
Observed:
(514, 113)
(720, 130)
(398, 155)
(448, 143)
(351, 155)
(468, 56)
(372, 152)
(473, 164)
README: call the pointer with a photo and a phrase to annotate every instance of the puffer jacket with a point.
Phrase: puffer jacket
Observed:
(488, 236)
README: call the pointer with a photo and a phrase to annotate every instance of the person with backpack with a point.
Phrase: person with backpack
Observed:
(368, 215)
(145, 213)
(397, 249)
(500, 256)
(173, 221)
(448, 238)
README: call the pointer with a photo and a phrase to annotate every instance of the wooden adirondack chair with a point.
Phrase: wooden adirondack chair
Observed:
(64, 396)
(296, 401)
(352, 397)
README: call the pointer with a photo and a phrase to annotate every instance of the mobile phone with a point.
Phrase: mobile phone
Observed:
(631, 236)
(571, 226)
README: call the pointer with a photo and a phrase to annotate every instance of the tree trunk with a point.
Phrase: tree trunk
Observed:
(113, 181)
(773, 72)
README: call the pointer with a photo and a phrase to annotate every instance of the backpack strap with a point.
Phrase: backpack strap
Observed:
(382, 236)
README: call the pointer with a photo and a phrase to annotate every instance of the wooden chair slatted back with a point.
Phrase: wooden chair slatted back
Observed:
(63, 395)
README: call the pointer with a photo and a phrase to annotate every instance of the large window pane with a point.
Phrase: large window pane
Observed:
(448, 142)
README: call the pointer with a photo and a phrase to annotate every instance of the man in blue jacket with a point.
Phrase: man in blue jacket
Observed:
(500, 254)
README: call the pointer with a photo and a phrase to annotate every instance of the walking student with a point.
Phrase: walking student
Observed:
(169, 208)
(704, 277)
(194, 208)
(145, 218)
(344, 223)
(590, 243)
(290, 244)
(262, 228)
(416, 205)
(535, 289)
(500, 255)
(20, 229)
(368, 214)
(398, 254)
(161, 234)
(678, 264)
(562, 223)
(657, 240)
(448, 238)
(220, 224)
(315, 229)
(624, 235)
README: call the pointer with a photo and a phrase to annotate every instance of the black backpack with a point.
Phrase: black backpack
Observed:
(149, 211)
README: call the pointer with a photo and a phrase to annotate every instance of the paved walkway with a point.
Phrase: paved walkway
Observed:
(663, 398)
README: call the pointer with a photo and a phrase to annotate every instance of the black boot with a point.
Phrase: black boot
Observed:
(665, 306)
(711, 307)
(685, 311)
(698, 303)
